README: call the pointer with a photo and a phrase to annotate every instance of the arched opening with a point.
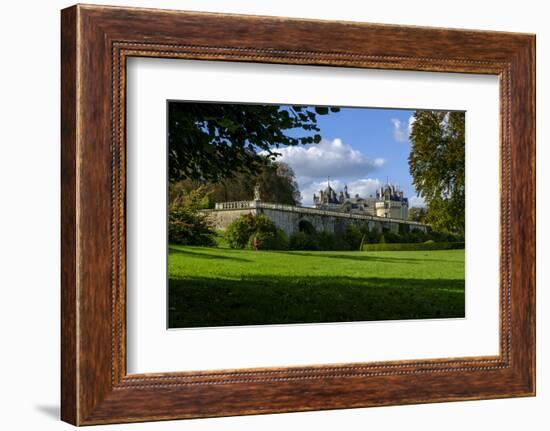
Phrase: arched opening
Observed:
(306, 226)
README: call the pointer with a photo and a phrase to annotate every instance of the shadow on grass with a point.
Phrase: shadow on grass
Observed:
(207, 254)
(200, 302)
(369, 257)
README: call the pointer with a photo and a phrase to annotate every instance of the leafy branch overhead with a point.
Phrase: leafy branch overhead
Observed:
(215, 141)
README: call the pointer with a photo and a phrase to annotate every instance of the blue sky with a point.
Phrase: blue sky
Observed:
(360, 147)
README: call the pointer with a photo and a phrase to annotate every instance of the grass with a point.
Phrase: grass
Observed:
(224, 287)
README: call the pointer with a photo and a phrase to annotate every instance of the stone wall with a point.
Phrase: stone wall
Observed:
(223, 218)
(287, 217)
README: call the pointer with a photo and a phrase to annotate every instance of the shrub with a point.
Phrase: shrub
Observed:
(307, 227)
(352, 236)
(455, 237)
(418, 235)
(220, 240)
(392, 237)
(326, 241)
(371, 236)
(280, 241)
(264, 225)
(414, 246)
(340, 244)
(189, 227)
(441, 236)
(268, 241)
(303, 241)
(239, 231)
(256, 233)
(187, 224)
(196, 198)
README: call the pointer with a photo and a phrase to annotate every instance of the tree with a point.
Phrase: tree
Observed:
(278, 184)
(186, 223)
(417, 214)
(276, 180)
(437, 166)
(213, 141)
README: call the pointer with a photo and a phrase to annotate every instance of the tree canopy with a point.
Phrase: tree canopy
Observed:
(215, 141)
(437, 166)
(417, 214)
(276, 180)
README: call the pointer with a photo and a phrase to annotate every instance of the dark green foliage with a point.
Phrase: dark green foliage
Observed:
(304, 241)
(276, 180)
(187, 224)
(259, 232)
(256, 233)
(263, 224)
(418, 235)
(437, 166)
(391, 237)
(306, 227)
(440, 236)
(417, 214)
(280, 241)
(220, 240)
(307, 238)
(327, 241)
(423, 246)
(213, 141)
(196, 197)
(352, 236)
(268, 240)
(277, 184)
(414, 236)
(239, 231)
(370, 236)
(340, 244)
(190, 228)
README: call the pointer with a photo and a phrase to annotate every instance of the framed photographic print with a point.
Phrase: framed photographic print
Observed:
(267, 215)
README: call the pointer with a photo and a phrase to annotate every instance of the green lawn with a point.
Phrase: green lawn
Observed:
(219, 287)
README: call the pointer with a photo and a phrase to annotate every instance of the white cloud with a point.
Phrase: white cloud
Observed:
(411, 122)
(364, 187)
(417, 201)
(312, 164)
(398, 132)
(402, 130)
(333, 158)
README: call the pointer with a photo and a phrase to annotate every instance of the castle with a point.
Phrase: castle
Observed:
(389, 202)
(332, 212)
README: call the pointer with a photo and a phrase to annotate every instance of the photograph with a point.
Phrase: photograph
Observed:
(299, 214)
(275, 215)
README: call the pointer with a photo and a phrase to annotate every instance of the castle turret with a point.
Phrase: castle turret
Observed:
(346, 194)
(388, 202)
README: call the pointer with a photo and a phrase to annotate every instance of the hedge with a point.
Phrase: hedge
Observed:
(422, 246)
